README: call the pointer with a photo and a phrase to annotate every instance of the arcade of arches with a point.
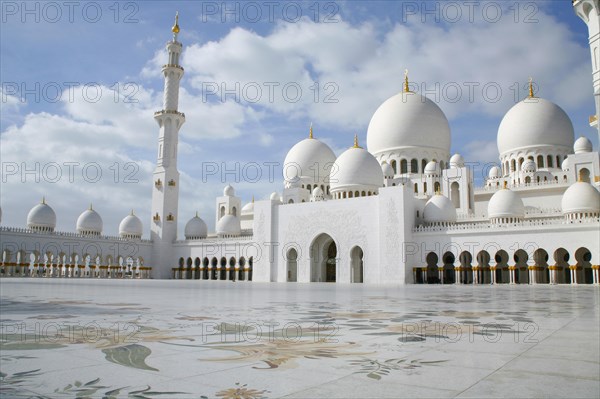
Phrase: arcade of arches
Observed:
(559, 267)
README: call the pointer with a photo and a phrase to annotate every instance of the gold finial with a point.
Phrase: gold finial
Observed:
(253, 199)
(44, 200)
(91, 209)
(196, 213)
(531, 88)
(406, 89)
(310, 132)
(132, 214)
(356, 142)
(505, 186)
(175, 28)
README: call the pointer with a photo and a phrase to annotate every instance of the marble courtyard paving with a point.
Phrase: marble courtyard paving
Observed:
(190, 339)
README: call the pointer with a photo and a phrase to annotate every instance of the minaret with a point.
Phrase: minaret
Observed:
(165, 191)
(589, 12)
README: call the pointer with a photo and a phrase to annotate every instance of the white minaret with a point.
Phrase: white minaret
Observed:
(589, 11)
(165, 190)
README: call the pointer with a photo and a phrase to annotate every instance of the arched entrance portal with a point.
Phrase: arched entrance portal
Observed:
(292, 265)
(323, 259)
(356, 262)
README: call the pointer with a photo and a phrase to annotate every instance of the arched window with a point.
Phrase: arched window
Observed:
(394, 166)
(584, 175)
(234, 211)
(550, 163)
(404, 166)
(291, 201)
(356, 194)
(414, 166)
(423, 164)
(222, 212)
(455, 194)
(436, 187)
(425, 187)
(513, 166)
(540, 161)
(416, 188)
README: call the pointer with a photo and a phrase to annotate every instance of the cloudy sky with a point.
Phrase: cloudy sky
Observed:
(81, 80)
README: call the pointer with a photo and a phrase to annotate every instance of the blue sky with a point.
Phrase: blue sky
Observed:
(356, 51)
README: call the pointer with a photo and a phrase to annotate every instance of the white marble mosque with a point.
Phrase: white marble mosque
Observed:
(400, 210)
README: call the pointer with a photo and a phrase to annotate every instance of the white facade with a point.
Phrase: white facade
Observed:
(401, 211)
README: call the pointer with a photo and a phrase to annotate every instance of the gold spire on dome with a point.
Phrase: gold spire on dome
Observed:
(91, 209)
(356, 142)
(310, 132)
(132, 214)
(406, 89)
(43, 200)
(175, 28)
(531, 88)
(253, 199)
(197, 214)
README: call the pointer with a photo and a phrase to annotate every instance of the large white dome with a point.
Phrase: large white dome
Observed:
(356, 169)
(506, 204)
(89, 222)
(41, 217)
(439, 209)
(581, 197)
(408, 120)
(228, 226)
(535, 122)
(195, 228)
(131, 227)
(311, 160)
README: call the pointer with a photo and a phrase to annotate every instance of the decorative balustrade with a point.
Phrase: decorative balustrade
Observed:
(20, 230)
(524, 224)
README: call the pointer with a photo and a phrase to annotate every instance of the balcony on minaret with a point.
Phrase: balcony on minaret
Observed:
(172, 183)
(170, 218)
(172, 66)
(165, 111)
(156, 218)
(593, 120)
(158, 184)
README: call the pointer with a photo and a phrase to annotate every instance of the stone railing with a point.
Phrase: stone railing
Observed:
(20, 230)
(524, 224)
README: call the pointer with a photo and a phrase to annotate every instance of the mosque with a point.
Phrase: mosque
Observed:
(402, 210)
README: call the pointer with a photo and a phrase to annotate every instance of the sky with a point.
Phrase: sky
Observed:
(81, 80)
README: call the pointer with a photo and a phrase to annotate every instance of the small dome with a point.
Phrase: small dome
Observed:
(388, 171)
(228, 191)
(529, 166)
(317, 192)
(581, 197)
(89, 222)
(356, 168)
(195, 229)
(566, 164)
(41, 217)
(432, 168)
(274, 196)
(582, 144)
(506, 204)
(131, 227)
(535, 122)
(457, 161)
(311, 160)
(408, 120)
(228, 226)
(494, 172)
(248, 208)
(439, 209)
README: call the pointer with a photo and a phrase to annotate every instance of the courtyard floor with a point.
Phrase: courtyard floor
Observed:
(190, 339)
